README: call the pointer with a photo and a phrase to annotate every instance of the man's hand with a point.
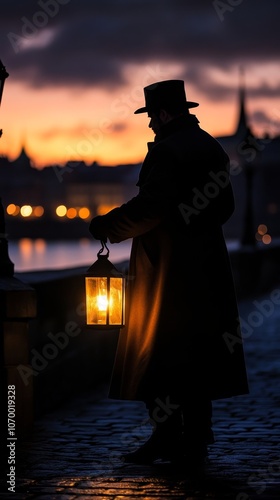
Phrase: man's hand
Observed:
(97, 230)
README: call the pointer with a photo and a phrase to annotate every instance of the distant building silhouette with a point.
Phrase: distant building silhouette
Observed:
(100, 188)
(255, 160)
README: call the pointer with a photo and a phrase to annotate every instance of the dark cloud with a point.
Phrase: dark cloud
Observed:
(259, 117)
(202, 78)
(204, 81)
(92, 40)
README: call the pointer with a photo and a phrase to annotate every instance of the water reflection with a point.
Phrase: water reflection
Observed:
(28, 252)
(33, 255)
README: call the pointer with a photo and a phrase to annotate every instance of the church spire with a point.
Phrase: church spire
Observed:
(242, 125)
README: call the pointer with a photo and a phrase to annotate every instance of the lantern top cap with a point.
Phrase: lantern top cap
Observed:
(102, 267)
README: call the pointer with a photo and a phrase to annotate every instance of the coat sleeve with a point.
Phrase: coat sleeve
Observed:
(168, 183)
(146, 210)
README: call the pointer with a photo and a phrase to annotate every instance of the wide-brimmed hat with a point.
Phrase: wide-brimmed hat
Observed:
(166, 94)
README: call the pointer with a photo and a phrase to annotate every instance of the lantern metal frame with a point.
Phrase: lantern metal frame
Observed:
(103, 268)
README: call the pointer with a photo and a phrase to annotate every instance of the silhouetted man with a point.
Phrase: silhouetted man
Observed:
(181, 346)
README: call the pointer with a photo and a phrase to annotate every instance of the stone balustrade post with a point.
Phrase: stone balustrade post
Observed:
(17, 307)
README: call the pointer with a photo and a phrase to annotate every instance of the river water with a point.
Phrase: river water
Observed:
(35, 255)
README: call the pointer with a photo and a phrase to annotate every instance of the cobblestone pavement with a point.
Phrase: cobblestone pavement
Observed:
(74, 452)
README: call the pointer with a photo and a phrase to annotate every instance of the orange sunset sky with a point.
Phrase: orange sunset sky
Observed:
(78, 68)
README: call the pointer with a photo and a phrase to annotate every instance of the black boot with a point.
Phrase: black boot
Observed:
(197, 431)
(166, 441)
(150, 451)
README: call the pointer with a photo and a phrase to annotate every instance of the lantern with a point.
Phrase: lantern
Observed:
(105, 298)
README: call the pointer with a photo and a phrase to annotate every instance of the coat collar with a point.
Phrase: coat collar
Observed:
(183, 121)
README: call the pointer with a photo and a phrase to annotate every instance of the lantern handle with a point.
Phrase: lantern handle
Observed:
(103, 245)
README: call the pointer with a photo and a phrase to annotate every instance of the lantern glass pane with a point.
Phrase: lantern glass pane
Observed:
(96, 301)
(116, 301)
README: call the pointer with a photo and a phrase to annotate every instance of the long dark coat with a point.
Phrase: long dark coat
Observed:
(182, 332)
